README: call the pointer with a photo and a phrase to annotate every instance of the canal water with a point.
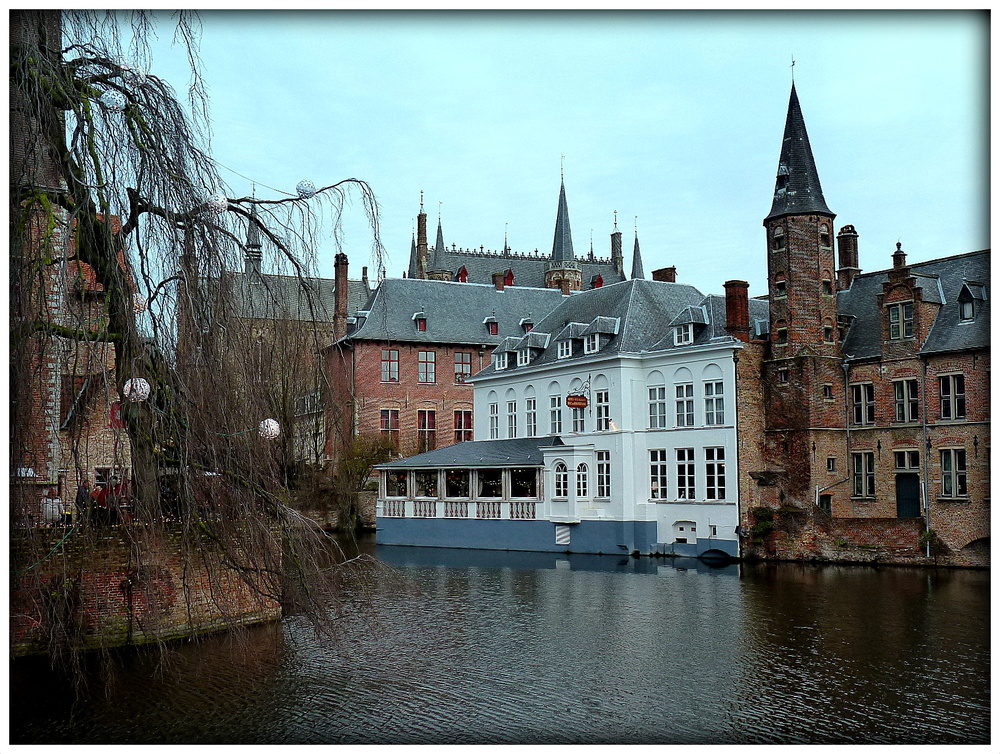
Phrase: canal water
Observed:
(458, 646)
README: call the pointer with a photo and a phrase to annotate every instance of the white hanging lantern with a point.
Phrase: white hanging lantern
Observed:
(136, 389)
(114, 100)
(305, 189)
(269, 429)
(139, 303)
(218, 203)
(130, 74)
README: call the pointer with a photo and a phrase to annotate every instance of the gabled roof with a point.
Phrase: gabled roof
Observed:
(455, 311)
(940, 279)
(528, 268)
(523, 451)
(796, 190)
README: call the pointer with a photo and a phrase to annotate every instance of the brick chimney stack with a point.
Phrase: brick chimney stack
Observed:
(564, 286)
(340, 296)
(898, 257)
(422, 241)
(665, 275)
(498, 281)
(847, 252)
(738, 309)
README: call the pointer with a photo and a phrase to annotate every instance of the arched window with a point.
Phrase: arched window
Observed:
(824, 234)
(778, 238)
(562, 480)
(581, 480)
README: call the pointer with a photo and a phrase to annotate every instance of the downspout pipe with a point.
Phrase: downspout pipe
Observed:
(924, 487)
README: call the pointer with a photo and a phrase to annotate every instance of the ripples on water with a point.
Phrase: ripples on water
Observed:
(470, 647)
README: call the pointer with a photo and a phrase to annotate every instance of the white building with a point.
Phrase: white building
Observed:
(630, 390)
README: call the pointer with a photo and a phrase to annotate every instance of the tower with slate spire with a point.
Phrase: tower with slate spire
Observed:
(252, 249)
(438, 269)
(562, 270)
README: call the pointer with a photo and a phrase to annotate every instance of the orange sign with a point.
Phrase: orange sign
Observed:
(576, 401)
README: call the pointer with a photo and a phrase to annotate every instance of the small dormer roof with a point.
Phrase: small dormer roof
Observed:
(534, 339)
(690, 315)
(972, 291)
(603, 325)
(572, 330)
(508, 344)
(931, 287)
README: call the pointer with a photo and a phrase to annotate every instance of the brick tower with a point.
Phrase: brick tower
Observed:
(802, 373)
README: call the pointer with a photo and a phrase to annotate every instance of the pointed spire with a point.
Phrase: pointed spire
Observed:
(438, 256)
(411, 271)
(637, 273)
(252, 255)
(562, 242)
(797, 190)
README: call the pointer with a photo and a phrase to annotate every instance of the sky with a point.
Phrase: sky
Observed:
(672, 119)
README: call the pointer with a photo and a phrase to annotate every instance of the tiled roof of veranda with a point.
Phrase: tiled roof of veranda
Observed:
(523, 451)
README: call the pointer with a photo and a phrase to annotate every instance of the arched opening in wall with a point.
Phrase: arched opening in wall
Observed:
(685, 532)
(778, 239)
(979, 548)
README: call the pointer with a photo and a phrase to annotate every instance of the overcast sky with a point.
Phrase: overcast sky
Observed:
(673, 118)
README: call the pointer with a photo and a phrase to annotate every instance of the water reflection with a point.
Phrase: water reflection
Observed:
(473, 646)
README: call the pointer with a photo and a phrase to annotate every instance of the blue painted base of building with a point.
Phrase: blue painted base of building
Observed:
(592, 537)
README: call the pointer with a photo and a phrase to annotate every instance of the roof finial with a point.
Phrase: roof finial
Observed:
(506, 248)
(792, 66)
(421, 201)
(637, 226)
(616, 219)
(439, 212)
(562, 166)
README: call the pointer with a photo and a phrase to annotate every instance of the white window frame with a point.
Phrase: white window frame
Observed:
(523, 357)
(500, 361)
(906, 400)
(658, 407)
(686, 479)
(863, 474)
(511, 419)
(862, 403)
(555, 415)
(715, 407)
(582, 480)
(684, 334)
(954, 475)
(603, 474)
(715, 473)
(592, 343)
(494, 421)
(901, 320)
(684, 404)
(531, 418)
(561, 487)
(602, 400)
(953, 401)
(564, 349)
(658, 472)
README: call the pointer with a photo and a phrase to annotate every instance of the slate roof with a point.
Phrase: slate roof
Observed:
(523, 451)
(528, 268)
(455, 311)
(562, 239)
(797, 190)
(307, 299)
(642, 307)
(940, 279)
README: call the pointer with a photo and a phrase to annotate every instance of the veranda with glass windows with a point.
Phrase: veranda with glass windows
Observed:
(513, 493)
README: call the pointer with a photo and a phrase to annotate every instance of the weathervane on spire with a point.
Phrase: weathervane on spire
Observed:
(439, 211)
(421, 201)
(562, 166)
(637, 225)
(792, 66)
(616, 219)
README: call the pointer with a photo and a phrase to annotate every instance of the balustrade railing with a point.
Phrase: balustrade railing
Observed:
(425, 508)
(394, 508)
(522, 510)
(488, 509)
(454, 509)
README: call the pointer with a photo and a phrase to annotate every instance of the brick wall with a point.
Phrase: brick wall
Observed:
(124, 599)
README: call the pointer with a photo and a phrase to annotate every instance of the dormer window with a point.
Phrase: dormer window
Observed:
(967, 310)
(684, 334)
(778, 239)
(592, 343)
(508, 277)
(967, 297)
(901, 321)
(420, 319)
(463, 275)
(527, 325)
(523, 357)
(492, 326)
(565, 349)
(500, 360)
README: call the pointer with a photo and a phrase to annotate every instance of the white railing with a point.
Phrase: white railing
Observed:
(513, 510)
(522, 510)
(456, 509)
(488, 509)
(394, 508)
(425, 508)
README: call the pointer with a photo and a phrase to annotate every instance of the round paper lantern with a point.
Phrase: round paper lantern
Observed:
(269, 429)
(218, 203)
(114, 100)
(139, 303)
(305, 189)
(130, 74)
(136, 389)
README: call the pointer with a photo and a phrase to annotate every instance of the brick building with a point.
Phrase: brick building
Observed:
(400, 368)
(873, 425)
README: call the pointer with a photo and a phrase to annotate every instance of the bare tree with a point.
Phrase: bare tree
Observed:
(122, 233)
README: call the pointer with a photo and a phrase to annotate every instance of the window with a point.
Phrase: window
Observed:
(523, 483)
(390, 424)
(863, 403)
(827, 288)
(523, 357)
(826, 504)
(780, 288)
(555, 414)
(864, 474)
(425, 483)
(463, 366)
(494, 421)
(456, 483)
(715, 412)
(715, 473)
(425, 366)
(901, 321)
(581, 480)
(967, 310)
(592, 343)
(390, 365)
(604, 473)
(831, 464)
(783, 376)
(778, 239)
(603, 401)
(463, 426)
(565, 349)
(511, 419)
(907, 459)
(492, 328)
(684, 404)
(657, 407)
(395, 484)
(562, 480)
(685, 474)
(490, 482)
(426, 430)
(824, 234)
(953, 473)
(658, 474)
(782, 335)
(828, 392)
(421, 324)
(578, 424)
(952, 396)
(906, 401)
(684, 335)
(530, 418)
(500, 360)
(828, 333)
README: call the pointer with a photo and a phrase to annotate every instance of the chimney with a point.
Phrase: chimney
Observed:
(737, 309)
(898, 257)
(340, 296)
(498, 280)
(422, 241)
(564, 286)
(847, 251)
(364, 278)
(665, 275)
(616, 251)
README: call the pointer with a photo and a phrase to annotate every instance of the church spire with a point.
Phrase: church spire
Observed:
(253, 245)
(797, 190)
(637, 273)
(562, 242)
